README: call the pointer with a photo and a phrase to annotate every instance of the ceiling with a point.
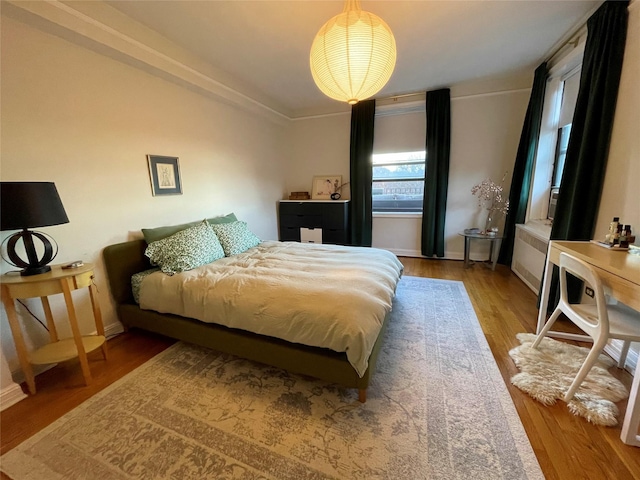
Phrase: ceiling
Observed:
(264, 45)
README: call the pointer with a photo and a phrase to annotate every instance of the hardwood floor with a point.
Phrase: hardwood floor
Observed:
(567, 447)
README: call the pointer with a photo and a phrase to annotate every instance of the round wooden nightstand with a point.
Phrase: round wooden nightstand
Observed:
(58, 280)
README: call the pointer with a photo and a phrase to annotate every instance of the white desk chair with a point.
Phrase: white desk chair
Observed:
(600, 321)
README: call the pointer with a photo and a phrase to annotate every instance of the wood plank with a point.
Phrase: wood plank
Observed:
(567, 447)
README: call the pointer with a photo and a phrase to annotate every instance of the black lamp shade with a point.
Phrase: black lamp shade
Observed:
(27, 205)
(30, 204)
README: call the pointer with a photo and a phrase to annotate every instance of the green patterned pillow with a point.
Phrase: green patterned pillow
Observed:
(235, 237)
(136, 282)
(154, 234)
(186, 249)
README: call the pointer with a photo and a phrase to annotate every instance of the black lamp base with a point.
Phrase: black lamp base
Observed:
(35, 270)
(33, 265)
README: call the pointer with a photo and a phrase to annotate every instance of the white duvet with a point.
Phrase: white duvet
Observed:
(327, 296)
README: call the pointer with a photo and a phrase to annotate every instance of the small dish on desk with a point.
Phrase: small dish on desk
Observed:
(471, 230)
(608, 246)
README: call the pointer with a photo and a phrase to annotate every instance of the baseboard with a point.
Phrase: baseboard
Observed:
(113, 330)
(109, 331)
(401, 252)
(614, 347)
(11, 395)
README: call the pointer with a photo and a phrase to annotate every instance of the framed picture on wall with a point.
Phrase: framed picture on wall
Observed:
(165, 175)
(324, 185)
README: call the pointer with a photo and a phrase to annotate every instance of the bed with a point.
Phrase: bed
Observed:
(224, 325)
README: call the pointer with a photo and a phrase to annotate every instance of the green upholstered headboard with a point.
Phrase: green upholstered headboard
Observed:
(121, 261)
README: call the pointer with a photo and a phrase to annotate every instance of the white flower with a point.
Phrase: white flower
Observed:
(490, 196)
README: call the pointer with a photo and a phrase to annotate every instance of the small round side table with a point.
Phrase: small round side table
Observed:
(58, 280)
(496, 242)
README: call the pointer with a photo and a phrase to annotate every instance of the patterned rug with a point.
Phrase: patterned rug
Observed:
(437, 409)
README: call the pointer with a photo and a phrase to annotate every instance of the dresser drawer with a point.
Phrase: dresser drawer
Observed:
(309, 221)
(336, 237)
(289, 234)
(330, 216)
(301, 208)
(334, 215)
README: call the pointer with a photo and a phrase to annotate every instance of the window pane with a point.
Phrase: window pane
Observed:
(561, 153)
(398, 181)
(415, 170)
(402, 196)
(401, 157)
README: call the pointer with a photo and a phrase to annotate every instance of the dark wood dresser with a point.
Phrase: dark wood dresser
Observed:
(314, 221)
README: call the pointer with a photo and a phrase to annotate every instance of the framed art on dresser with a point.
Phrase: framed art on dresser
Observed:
(324, 185)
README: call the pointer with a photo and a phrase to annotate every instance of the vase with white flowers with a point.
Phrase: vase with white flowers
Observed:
(490, 197)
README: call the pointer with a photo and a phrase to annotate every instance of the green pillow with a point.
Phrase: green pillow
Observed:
(235, 237)
(154, 234)
(185, 250)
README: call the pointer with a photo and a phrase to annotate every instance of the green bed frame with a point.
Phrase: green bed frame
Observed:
(122, 260)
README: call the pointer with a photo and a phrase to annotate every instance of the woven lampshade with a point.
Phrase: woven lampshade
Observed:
(353, 55)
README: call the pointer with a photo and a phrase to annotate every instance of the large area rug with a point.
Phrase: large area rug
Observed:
(438, 408)
(546, 373)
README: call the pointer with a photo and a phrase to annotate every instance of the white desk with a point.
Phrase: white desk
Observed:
(620, 272)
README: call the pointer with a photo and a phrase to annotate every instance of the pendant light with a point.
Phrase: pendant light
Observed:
(353, 55)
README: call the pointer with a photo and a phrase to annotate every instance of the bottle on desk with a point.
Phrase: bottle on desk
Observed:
(626, 238)
(613, 229)
(618, 234)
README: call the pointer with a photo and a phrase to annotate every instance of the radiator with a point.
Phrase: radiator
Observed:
(529, 253)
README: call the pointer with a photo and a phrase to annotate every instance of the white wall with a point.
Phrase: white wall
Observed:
(486, 127)
(86, 122)
(318, 146)
(485, 131)
(620, 194)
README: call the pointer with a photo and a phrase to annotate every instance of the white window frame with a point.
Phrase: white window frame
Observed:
(539, 194)
(396, 162)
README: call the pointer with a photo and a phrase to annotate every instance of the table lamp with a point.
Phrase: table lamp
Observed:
(25, 205)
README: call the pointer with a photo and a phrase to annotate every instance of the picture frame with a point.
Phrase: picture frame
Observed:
(164, 173)
(324, 185)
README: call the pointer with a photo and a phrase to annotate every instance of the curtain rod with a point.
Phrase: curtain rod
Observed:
(395, 98)
(572, 37)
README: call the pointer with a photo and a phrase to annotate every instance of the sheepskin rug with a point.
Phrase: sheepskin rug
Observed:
(546, 374)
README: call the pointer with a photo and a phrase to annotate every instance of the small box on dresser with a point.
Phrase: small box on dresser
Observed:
(331, 217)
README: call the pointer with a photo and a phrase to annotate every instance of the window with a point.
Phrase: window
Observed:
(568, 92)
(560, 100)
(398, 182)
(561, 153)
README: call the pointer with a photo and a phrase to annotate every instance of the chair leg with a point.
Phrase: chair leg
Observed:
(547, 326)
(623, 353)
(589, 362)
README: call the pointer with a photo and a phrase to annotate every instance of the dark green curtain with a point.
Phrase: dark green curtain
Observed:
(588, 149)
(362, 121)
(523, 168)
(436, 182)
